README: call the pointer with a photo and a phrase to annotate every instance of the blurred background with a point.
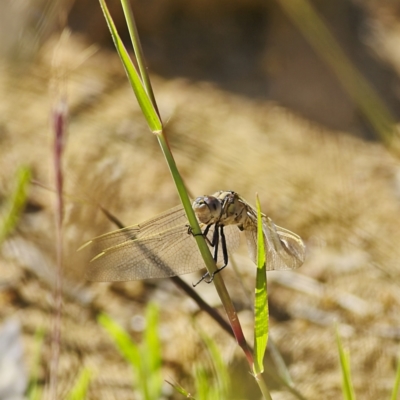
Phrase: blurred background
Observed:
(296, 100)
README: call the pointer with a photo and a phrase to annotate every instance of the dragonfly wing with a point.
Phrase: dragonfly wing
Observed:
(169, 253)
(174, 217)
(284, 249)
(251, 238)
(158, 248)
(292, 244)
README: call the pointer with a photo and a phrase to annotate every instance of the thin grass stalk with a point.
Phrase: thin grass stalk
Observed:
(137, 48)
(180, 283)
(396, 385)
(155, 125)
(312, 26)
(81, 386)
(204, 250)
(146, 104)
(34, 390)
(344, 358)
(261, 315)
(16, 202)
(59, 126)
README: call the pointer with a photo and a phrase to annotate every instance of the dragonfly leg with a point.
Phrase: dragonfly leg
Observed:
(224, 249)
(204, 234)
(201, 279)
(215, 244)
(224, 252)
(220, 233)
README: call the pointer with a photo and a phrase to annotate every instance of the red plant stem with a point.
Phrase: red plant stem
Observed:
(58, 126)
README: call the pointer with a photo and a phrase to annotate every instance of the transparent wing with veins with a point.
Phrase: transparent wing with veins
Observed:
(284, 249)
(158, 248)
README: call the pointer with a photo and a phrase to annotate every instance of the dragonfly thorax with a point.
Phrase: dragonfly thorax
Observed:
(234, 211)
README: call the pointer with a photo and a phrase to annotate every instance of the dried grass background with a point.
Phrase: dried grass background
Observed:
(339, 192)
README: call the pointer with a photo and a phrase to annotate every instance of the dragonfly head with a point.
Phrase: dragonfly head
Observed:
(208, 209)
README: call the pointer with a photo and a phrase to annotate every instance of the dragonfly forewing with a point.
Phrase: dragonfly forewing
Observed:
(169, 253)
(158, 248)
(174, 217)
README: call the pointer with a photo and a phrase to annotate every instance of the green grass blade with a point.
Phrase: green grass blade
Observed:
(396, 385)
(80, 389)
(181, 390)
(193, 222)
(156, 126)
(151, 337)
(34, 391)
(204, 389)
(202, 383)
(261, 299)
(305, 16)
(16, 202)
(347, 386)
(152, 353)
(137, 48)
(279, 363)
(219, 366)
(128, 349)
(145, 103)
(145, 360)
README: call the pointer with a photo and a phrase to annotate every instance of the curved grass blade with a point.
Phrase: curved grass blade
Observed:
(222, 378)
(81, 387)
(347, 386)
(304, 15)
(137, 48)
(145, 103)
(396, 385)
(261, 300)
(16, 203)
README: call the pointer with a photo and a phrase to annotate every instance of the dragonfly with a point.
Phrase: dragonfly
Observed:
(164, 246)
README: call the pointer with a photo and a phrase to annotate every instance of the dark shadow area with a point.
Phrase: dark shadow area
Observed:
(251, 48)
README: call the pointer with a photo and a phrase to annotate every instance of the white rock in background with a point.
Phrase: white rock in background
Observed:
(13, 377)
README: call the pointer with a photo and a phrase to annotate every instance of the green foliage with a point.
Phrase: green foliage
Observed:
(181, 390)
(34, 391)
(16, 202)
(212, 380)
(145, 359)
(79, 391)
(395, 391)
(261, 299)
(305, 16)
(145, 101)
(217, 364)
(347, 386)
(141, 86)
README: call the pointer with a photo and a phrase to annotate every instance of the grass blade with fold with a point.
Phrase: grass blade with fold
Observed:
(396, 385)
(260, 300)
(347, 386)
(16, 202)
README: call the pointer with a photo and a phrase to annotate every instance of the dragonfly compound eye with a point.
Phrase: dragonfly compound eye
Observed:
(207, 209)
